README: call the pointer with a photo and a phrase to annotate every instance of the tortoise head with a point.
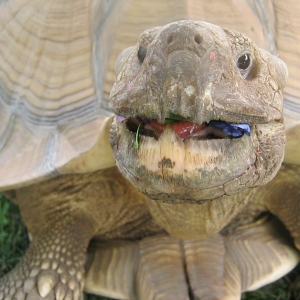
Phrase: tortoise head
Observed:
(199, 113)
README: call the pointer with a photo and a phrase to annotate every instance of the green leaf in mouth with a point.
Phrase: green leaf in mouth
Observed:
(173, 118)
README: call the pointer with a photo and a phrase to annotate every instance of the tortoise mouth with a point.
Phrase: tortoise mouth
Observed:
(185, 129)
(181, 160)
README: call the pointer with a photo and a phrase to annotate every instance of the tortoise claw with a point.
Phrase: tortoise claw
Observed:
(44, 274)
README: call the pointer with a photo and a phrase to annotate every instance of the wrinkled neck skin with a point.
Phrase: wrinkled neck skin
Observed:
(192, 221)
(206, 75)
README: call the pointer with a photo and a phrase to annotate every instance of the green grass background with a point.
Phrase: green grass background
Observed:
(14, 241)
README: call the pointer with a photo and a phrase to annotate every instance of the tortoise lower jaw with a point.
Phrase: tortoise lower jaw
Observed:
(176, 169)
(177, 156)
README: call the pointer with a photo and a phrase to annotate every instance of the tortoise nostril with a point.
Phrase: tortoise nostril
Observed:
(197, 39)
(170, 39)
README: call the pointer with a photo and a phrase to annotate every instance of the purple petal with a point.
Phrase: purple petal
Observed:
(120, 118)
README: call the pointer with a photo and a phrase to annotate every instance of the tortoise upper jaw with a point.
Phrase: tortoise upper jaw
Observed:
(181, 76)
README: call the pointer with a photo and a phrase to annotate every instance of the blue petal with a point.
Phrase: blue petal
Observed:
(245, 128)
(232, 129)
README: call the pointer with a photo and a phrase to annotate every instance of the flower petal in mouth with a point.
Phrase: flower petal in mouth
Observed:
(231, 129)
(186, 129)
(120, 118)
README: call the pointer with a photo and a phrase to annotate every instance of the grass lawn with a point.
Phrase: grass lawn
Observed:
(13, 243)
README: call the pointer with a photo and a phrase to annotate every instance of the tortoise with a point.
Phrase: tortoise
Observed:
(164, 226)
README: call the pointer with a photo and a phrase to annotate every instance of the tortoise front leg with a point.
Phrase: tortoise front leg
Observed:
(53, 266)
(60, 227)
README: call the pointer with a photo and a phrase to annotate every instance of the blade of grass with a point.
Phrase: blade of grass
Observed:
(137, 136)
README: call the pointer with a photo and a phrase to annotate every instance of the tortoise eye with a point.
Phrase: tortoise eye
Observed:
(243, 62)
(141, 54)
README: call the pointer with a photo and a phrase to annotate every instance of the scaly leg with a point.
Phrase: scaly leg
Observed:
(53, 267)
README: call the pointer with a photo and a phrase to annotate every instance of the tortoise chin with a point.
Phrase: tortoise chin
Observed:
(196, 169)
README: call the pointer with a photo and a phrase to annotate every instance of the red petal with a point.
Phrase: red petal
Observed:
(186, 128)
